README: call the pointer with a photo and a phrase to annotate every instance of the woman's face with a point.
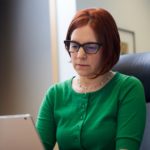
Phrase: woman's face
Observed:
(86, 65)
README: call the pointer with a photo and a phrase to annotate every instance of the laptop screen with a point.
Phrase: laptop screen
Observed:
(17, 132)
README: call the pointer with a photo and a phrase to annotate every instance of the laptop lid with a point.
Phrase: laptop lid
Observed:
(17, 132)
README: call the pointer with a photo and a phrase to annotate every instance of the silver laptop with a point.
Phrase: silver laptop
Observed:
(17, 132)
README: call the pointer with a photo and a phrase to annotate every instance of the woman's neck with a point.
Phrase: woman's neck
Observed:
(84, 84)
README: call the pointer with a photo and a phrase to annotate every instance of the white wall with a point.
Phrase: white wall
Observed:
(64, 16)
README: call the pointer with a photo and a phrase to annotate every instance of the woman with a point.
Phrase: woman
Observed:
(98, 109)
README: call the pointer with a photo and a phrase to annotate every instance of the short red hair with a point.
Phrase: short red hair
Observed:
(106, 32)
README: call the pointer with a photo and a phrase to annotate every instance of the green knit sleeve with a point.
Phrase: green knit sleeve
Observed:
(45, 123)
(131, 115)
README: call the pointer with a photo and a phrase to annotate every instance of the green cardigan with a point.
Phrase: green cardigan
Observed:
(112, 118)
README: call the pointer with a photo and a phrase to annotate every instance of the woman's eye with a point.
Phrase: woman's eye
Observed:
(91, 48)
(74, 46)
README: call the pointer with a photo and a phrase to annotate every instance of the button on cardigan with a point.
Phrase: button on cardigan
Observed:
(112, 118)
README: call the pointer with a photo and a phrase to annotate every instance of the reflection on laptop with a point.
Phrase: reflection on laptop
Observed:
(17, 132)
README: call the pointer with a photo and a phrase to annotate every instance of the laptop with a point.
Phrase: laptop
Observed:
(17, 132)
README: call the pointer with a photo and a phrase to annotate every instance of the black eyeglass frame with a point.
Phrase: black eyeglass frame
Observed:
(67, 43)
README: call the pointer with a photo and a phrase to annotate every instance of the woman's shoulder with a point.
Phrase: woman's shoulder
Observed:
(129, 78)
(57, 91)
(130, 82)
(60, 85)
(130, 88)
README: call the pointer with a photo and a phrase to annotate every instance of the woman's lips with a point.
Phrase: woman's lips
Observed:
(82, 65)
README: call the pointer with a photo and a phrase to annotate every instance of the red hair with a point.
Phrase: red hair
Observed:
(106, 32)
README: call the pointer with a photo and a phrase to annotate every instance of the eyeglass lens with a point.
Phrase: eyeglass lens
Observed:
(88, 47)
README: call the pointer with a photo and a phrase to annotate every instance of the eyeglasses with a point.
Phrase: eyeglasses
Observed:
(89, 48)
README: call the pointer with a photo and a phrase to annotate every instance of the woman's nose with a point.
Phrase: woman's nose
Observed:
(81, 53)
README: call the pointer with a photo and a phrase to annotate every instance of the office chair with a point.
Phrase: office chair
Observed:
(138, 65)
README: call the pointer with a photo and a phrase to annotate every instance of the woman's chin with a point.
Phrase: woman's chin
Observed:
(84, 74)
